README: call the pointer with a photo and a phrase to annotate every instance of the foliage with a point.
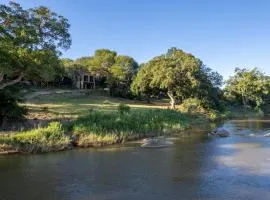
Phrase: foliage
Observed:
(179, 74)
(117, 70)
(136, 124)
(250, 87)
(121, 75)
(141, 84)
(9, 109)
(29, 43)
(192, 105)
(101, 62)
(123, 109)
(47, 139)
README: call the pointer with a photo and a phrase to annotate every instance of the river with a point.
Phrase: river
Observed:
(196, 167)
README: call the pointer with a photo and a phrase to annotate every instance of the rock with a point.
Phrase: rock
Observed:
(156, 143)
(267, 135)
(146, 140)
(221, 132)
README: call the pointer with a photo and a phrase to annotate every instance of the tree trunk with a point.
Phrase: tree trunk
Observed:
(18, 79)
(148, 99)
(172, 98)
(1, 76)
(244, 100)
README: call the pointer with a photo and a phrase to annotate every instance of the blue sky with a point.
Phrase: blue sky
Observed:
(224, 34)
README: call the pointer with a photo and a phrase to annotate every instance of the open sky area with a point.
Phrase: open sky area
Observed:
(224, 34)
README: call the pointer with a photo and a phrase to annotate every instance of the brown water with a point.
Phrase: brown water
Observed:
(196, 167)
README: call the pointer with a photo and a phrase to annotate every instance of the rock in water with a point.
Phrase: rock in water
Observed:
(267, 135)
(156, 143)
(221, 132)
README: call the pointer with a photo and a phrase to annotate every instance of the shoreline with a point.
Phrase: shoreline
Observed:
(85, 138)
(73, 145)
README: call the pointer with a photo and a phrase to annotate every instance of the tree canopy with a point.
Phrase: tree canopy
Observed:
(30, 43)
(117, 70)
(181, 75)
(249, 87)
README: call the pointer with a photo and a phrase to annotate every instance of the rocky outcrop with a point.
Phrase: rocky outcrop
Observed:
(220, 132)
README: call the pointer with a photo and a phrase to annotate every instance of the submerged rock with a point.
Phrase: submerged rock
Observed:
(221, 132)
(267, 135)
(156, 143)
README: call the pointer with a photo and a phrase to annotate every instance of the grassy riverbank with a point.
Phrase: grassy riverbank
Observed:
(98, 120)
(41, 140)
(98, 128)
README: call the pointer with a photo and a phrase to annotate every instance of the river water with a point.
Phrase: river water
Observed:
(196, 167)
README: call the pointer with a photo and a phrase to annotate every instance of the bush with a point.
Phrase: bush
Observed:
(10, 109)
(192, 105)
(51, 138)
(123, 108)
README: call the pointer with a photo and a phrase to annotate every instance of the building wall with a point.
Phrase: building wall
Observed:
(80, 81)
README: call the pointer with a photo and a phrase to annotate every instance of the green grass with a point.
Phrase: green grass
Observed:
(51, 138)
(99, 128)
(59, 106)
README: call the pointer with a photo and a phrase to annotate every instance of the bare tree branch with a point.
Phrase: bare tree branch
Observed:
(18, 79)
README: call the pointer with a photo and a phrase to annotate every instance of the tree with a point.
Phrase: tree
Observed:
(250, 86)
(29, 43)
(141, 83)
(101, 62)
(121, 75)
(117, 70)
(177, 73)
(208, 90)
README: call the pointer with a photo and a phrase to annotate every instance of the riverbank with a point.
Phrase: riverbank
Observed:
(99, 128)
(66, 121)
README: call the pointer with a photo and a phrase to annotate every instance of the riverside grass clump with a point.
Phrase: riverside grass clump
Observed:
(40, 140)
(101, 128)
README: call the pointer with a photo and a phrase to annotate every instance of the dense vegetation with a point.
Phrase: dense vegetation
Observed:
(248, 87)
(179, 75)
(31, 41)
(29, 49)
(98, 127)
(40, 140)
(113, 71)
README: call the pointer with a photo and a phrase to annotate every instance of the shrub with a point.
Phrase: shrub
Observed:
(192, 105)
(123, 108)
(10, 109)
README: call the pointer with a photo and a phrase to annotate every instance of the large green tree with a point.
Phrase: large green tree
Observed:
(179, 74)
(250, 87)
(117, 70)
(121, 75)
(102, 61)
(30, 43)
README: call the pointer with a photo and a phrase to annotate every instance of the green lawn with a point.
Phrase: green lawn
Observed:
(73, 105)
